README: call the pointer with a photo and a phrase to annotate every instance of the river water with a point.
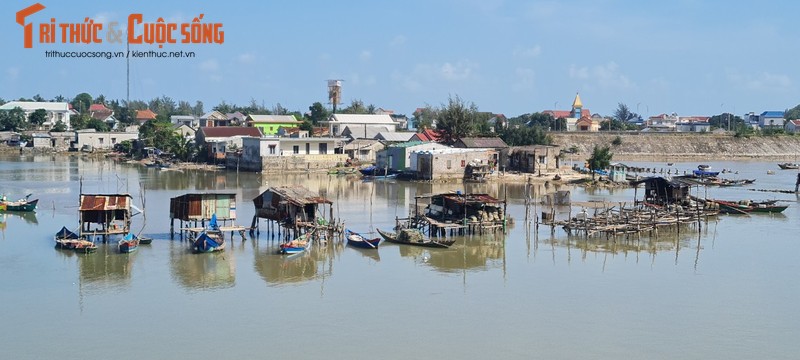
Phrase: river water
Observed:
(727, 291)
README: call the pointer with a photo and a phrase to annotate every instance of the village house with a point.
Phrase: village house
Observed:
(270, 124)
(394, 137)
(214, 119)
(364, 132)
(397, 157)
(56, 141)
(188, 120)
(143, 116)
(532, 158)
(570, 116)
(426, 135)
(104, 114)
(236, 119)
(184, 131)
(793, 127)
(337, 123)
(771, 120)
(217, 140)
(363, 150)
(448, 163)
(276, 154)
(661, 123)
(90, 139)
(56, 111)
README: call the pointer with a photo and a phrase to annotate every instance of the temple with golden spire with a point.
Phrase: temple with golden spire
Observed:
(577, 119)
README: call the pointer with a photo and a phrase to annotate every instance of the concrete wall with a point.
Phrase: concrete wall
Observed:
(674, 146)
(441, 166)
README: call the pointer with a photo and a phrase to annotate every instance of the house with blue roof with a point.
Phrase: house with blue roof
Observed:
(771, 119)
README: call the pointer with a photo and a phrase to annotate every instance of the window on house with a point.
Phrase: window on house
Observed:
(296, 149)
(323, 148)
(463, 163)
(449, 164)
(272, 149)
(542, 159)
(308, 148)
(101, 140)
(113, 141)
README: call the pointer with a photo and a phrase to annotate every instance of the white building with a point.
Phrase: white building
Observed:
(56, 111)
(337, 123)
(93, 140)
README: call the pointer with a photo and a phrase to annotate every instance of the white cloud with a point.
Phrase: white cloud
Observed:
(604, 75)
(528, 52)
(431, 75)
(106, 18)
(209, 65)
(461, 70)
(247, 58)
(365, 55)
(759, 82)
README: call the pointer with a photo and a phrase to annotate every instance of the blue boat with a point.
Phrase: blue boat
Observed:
(298, 245)
(210, 239)
(705, 173)
(128, 244)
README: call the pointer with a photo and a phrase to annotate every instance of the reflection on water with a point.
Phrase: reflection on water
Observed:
(206, 271)
(476, 253)
(28, 216)
(312, 264)
(106, 269)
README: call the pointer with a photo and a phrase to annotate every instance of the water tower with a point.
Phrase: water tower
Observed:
(335, 93)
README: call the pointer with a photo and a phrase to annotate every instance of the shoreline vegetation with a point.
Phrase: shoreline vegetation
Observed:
(637, 147)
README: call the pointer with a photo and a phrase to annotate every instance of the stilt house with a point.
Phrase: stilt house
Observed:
(291, 205)
(105, 214)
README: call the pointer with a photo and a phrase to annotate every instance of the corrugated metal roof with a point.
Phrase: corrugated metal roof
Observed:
(279, 119)
(105, 202)
(362, 119)
(33, 105)
(395, 136)
(299, 195)
(488, 142)
(229, 131)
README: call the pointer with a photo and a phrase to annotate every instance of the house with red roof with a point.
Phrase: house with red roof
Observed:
(104, 114)
(218, 139)
(793, 126)
(143, 116)
(426, 135)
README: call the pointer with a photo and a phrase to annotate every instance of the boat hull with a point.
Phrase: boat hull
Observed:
(208, 241)
(357, 240)
(393, 238)
(27, 206)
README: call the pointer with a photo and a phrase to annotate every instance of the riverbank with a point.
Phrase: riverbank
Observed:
(673, 147)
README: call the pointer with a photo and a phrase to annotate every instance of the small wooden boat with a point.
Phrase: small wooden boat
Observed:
(298, 245)
(128, 244)
(209, 240)
(143, 240)
(789, 166)
(703, 167)
(19, 205)
(357, 240)
(85, 247)
(414, 237)
(748, 206)
(66, 239)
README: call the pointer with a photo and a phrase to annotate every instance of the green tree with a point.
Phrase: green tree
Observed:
(12, 120)
(59, 126)
(600, 159)
(81, 102)
(525, 135)
(726, 121)
(37, 117)
(317, 112)
(456, 120)
(356, 107)
(306, 125)
(97, 124)
(39, 98)
(424, 117)
(623, 114)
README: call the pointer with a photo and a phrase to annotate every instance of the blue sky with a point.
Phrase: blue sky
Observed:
(510, 57)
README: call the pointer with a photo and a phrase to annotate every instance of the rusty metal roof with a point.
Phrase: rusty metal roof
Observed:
(94, 202)
(299, 195)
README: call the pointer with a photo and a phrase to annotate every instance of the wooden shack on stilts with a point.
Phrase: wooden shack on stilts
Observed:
(457, 212)
(294, 208)
(199, 207)
(104, 214)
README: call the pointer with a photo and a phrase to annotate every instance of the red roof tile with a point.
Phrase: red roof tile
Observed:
(145, 114)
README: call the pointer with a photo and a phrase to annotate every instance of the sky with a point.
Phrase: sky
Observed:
(510, 57)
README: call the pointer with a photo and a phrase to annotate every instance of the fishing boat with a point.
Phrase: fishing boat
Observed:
(414, 237)
(749, 206)
(789, 166)
(85, 247)
(703, 167)
(66, 239)
(20, 205)
(298, 245)
(704, 173)
(357, 240)
(210, 239)
(373, 170)
(144, 240)
(128, 244)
